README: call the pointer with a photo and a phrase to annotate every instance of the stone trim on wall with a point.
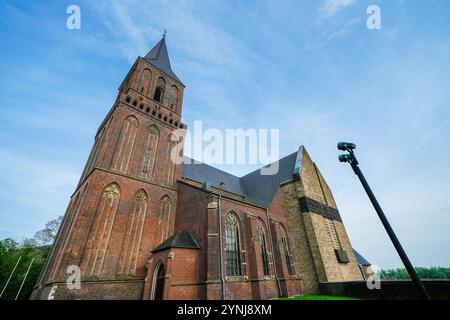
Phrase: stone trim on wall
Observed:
(311, 205)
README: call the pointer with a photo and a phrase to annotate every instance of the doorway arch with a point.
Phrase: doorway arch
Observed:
(159, 277)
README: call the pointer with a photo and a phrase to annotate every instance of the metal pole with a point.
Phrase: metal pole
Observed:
(10, 276)
(24, 278)
(412, 273)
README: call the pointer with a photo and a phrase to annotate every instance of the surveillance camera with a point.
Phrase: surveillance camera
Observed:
(345, 157)
(346, 146)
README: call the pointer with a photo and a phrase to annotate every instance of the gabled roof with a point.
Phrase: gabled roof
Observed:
(181, 239)
(260, 189)
(201, 172)
(257, 189)
(159, 58)
(361, 260)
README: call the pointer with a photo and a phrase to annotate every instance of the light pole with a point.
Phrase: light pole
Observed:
(351, 158)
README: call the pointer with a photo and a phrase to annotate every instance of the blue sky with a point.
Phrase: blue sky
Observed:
(310, 68)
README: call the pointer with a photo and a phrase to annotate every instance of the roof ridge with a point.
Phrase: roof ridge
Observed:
(254, 171)
(205, 164)
(245, 175)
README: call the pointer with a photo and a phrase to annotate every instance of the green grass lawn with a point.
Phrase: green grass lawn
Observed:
(316, 298)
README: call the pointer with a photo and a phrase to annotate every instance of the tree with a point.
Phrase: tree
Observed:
(423, 273)
(10, 252)
(7, 245)
(45, 236)
(38, 248)
(48, 234)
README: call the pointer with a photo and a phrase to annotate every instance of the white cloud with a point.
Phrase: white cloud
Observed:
(329, 24)
(331, 7)
(33, 190)
(191, 30)
(215, 63)
(432, 133)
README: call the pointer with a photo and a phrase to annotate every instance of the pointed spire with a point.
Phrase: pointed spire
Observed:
(159, 58)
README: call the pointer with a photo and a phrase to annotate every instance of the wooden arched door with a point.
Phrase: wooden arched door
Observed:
(159, 283)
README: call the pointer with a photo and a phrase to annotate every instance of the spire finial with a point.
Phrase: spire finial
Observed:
(164, 34)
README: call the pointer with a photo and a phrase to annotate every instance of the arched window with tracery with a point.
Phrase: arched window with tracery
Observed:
(174, 98)
(164, 213)
(144, 81)
(124, 147)
(100, 233)
(286, 251)
(233, 245)
(133, 234)
(150, 150)
(171, 160)
(262, 242)
(159, 90)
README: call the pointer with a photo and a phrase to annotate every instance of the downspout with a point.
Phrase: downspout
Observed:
(273, 253)
(222, 279)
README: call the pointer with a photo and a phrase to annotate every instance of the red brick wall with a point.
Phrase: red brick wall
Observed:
(181, 280)
(194, 216)
(98, 181)
(195, 273)
(290, 284)
(105, 290)
(70, 247)
(106, 156)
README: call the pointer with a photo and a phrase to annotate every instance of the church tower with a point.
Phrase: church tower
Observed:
(125, 202)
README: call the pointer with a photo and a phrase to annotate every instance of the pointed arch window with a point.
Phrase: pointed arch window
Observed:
(262, 243)
(172, 143)
(150, 151)
(286, 251)
(133, 235)
(174, 98)
(158, 282)
(100, 233)
(144, 81)
(159, 91)
(233, 245)
(124, 146)
(164, 213)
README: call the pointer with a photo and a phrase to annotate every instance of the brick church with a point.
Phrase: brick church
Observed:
(140, 226)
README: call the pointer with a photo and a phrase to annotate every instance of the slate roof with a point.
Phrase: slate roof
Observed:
(256, 188)
(361, 260)
(181, 239)
(260, 189)
(159, 58)
(201, 172)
